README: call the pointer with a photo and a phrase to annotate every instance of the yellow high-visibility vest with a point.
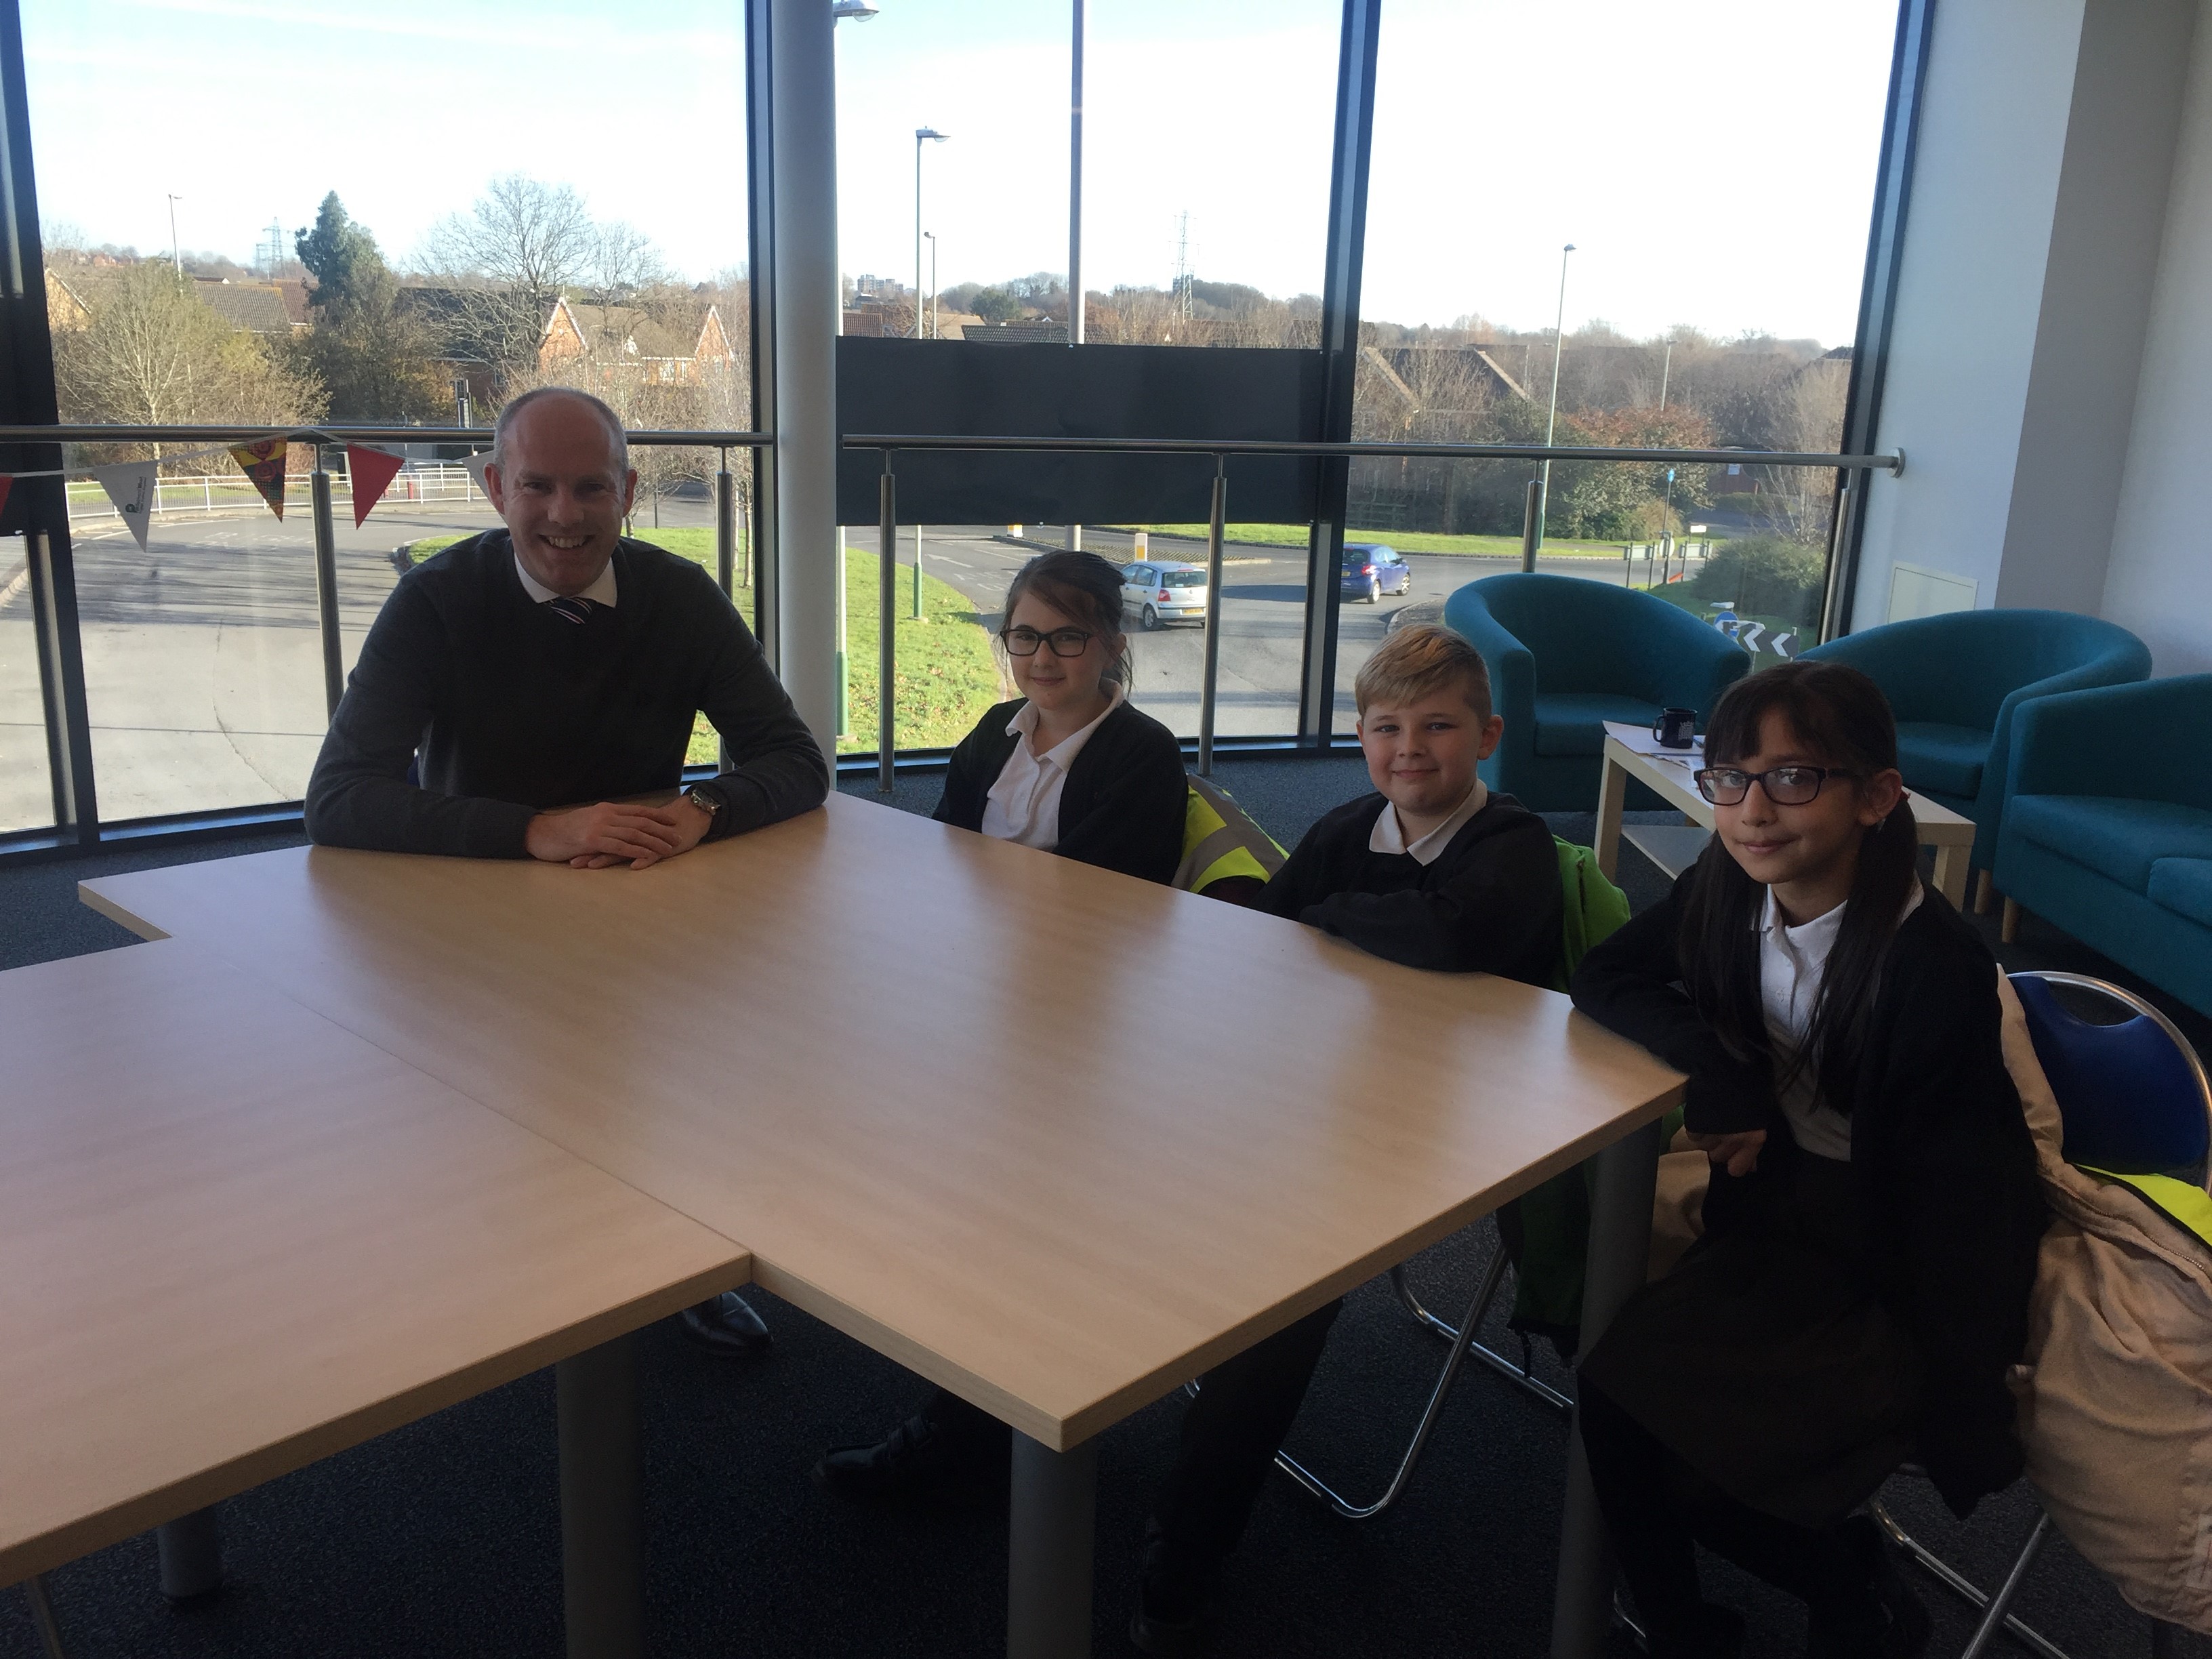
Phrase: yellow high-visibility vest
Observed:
(1221, 841)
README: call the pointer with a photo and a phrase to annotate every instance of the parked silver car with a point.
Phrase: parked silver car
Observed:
(1156, 592)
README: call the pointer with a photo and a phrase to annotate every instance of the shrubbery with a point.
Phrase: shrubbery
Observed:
(1764, 575)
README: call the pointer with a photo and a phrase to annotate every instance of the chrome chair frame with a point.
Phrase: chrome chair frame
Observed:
(1997, 1609)
(1462, 1338)
(42, 1616)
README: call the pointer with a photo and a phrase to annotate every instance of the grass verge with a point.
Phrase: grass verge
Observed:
(947, 675)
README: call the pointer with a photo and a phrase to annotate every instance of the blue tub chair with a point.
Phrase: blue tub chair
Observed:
(1956, 683)
(1567, 655)
(2106, 831)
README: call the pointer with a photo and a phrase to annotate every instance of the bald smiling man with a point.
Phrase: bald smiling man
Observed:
(521, 688)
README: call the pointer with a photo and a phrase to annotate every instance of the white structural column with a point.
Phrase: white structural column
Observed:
(803, 120)
(2031, 240)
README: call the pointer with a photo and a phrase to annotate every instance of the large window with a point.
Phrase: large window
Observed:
(1712, 164)
(391, 216)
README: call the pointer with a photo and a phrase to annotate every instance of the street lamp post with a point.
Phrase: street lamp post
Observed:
(935, 331)
(176, 255)
(932, 136)
(1551, 420)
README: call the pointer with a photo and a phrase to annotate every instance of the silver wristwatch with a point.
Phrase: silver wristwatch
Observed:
(706, 803)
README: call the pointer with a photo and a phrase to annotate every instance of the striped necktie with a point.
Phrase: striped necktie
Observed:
(576, 610)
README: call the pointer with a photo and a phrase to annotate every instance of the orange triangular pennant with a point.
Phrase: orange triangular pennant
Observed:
(263, 463)
(371, 472)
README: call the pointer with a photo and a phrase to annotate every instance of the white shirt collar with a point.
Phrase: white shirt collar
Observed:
(601, 591)
(1812, 939)
(1061, 755)
(1388, 835)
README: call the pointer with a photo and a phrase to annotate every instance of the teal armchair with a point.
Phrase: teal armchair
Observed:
(1956, 683)
(2106, 831)
(1566, 655)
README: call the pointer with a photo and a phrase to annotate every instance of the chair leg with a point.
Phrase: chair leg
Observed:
(1985, 893)
(1954, 1581)
(2008, 929)
(1462, 1339)
(42, 1615)
(1518, 1375)
(1993, 1616)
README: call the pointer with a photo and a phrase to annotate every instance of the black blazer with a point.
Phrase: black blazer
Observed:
(1123, 804)
(1942, 1164)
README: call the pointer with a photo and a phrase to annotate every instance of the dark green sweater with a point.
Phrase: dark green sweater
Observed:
(505, 708)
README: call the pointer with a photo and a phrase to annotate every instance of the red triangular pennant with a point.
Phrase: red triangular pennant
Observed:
(371, 472)
(7, 484)
(263, 463)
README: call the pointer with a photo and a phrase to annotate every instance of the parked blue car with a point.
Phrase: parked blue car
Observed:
(1372, 569)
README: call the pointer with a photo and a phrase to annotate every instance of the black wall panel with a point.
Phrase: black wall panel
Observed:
(1083, 391)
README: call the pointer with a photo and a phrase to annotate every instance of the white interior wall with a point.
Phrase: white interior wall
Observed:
(1970, 285)
(2159, 578)
(2032, 250)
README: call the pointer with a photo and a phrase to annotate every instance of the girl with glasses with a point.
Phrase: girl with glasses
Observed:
(1861, 1288)
(1069, 767)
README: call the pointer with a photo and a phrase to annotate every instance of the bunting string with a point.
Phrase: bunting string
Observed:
(130, 484)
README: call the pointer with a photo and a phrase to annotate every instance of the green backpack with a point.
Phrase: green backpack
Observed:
(1546, 1229)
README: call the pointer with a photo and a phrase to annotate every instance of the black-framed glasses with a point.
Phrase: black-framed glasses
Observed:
(1065, 642)
(1785, 786)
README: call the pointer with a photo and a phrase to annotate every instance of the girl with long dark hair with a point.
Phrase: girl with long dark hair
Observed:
(1861, 1288)
(1069, 767)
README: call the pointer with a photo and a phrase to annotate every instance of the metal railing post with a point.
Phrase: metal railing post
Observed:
(326, 588)
(726, 528)
(887, 628)
(726, 558)
(1215, 527)
(1532, 525)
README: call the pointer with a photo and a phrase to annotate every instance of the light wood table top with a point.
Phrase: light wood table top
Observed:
(1053, 1138)
(1674, 782)
(235, 1239)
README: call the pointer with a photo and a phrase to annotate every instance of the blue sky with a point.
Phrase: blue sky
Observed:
(1712, 159)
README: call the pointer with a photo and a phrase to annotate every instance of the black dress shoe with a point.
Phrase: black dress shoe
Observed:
(726, 1326)
(920, 1458)
(1891, 1622)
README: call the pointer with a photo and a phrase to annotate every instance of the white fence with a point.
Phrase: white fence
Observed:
(209, 494)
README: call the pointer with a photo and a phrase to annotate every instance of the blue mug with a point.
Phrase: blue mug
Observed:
(1675, 728)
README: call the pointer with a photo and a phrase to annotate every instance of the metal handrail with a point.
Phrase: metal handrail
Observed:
(1893, 463)
(343, 433)
(1219, 450)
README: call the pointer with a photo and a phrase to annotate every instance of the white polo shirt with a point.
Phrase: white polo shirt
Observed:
(1024, 804)
(1791, 963)
(1388, 835)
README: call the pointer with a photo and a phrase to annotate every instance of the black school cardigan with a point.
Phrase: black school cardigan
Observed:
(1121, 808)
(1942, 1165)
(1489, 902)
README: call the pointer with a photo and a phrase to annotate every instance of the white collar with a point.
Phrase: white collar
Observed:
(1820, 933)
(1063, 753)
(1388, 835)
(601, 591)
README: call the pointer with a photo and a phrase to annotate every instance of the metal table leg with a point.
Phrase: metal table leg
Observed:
(1049, 1545)
(42, 1615)
(602, 1504)
(192, 1555)
(1619, 1252)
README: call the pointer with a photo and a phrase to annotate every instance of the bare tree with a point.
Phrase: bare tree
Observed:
(623, 260)
(508, 259)
(153, 353)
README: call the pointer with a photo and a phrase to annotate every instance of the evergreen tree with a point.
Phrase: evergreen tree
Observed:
(343, 257)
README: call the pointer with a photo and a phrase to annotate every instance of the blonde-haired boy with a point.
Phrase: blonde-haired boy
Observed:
(1433, 871)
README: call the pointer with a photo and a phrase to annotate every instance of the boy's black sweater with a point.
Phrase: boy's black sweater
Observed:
(1121, 808)
(1942, 1160)
(1489, 903)
(513, 709)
